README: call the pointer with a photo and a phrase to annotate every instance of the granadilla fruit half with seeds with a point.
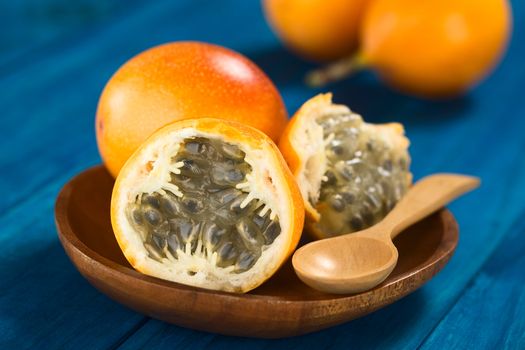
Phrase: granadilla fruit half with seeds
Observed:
(351, 173)
(207, 203)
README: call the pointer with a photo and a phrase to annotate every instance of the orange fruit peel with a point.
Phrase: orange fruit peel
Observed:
(208, 203)
(319, 30)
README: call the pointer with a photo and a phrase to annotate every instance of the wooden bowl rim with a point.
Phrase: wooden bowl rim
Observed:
(67, 236)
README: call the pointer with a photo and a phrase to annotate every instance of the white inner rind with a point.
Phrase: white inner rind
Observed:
(308, 140)
(154, 174)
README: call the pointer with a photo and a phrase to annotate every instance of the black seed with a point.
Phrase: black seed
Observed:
(226, 196)
(192, 205)
(153, 217)
(330, 178)
(370, 146)
(187, 183)
(356, 223)
(387, 165)
(152, 252)
(272, 231)
(232, 151)
(259, 221)
(247, 231)
(158, 242)
(218, 175)
(174, 244)
(213, 234)
(346, 172)
(234, 175)
(206, 149)
(246, 260)
(137, 216)
(235, 205)
(226, 254)
(338, 150)
(212, 189)
(226, 176)
(348, 197)
(373, 200)
(368, 217)
(169, 205)
(194, 167)
(337, 202)
(182, 226)
(188, 232)
(162, 229)
(152, 200)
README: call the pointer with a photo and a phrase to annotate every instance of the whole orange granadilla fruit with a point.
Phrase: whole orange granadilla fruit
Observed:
(182, 80)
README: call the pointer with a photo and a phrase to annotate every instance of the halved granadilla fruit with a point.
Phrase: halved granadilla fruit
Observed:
(351, 173)
(207, 203)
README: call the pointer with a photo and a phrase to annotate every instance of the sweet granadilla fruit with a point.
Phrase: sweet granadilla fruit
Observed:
(208, 203)
(182, 80)
(350, 173)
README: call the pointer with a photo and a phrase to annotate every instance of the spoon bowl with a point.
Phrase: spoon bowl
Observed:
(359, 261)
(347, 266)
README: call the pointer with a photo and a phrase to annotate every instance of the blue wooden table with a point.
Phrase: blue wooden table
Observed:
(55, 57)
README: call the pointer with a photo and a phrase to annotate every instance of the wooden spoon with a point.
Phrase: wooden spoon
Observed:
(359, 261)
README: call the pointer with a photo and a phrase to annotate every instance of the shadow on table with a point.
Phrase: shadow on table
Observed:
(363, 92)
(283, 67)
(366, 95)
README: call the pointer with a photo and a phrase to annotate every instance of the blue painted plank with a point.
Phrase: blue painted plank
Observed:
(33, 24)
(490, 313)
(44, 302)
(59, 91)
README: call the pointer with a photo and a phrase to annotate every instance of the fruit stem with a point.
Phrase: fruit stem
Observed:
(336, 71)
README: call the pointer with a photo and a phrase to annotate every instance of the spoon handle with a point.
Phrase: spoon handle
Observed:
(425, 197)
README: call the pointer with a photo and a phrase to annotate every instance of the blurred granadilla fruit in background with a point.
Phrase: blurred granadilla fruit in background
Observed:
(177, 81)
(318, 30)
(434, 48)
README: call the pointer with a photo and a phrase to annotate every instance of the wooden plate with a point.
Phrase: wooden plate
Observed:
(281, 307)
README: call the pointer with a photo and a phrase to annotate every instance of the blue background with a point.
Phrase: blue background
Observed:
(55, 57)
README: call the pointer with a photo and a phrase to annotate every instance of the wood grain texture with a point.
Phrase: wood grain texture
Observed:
(281, 307)
(48, 103)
